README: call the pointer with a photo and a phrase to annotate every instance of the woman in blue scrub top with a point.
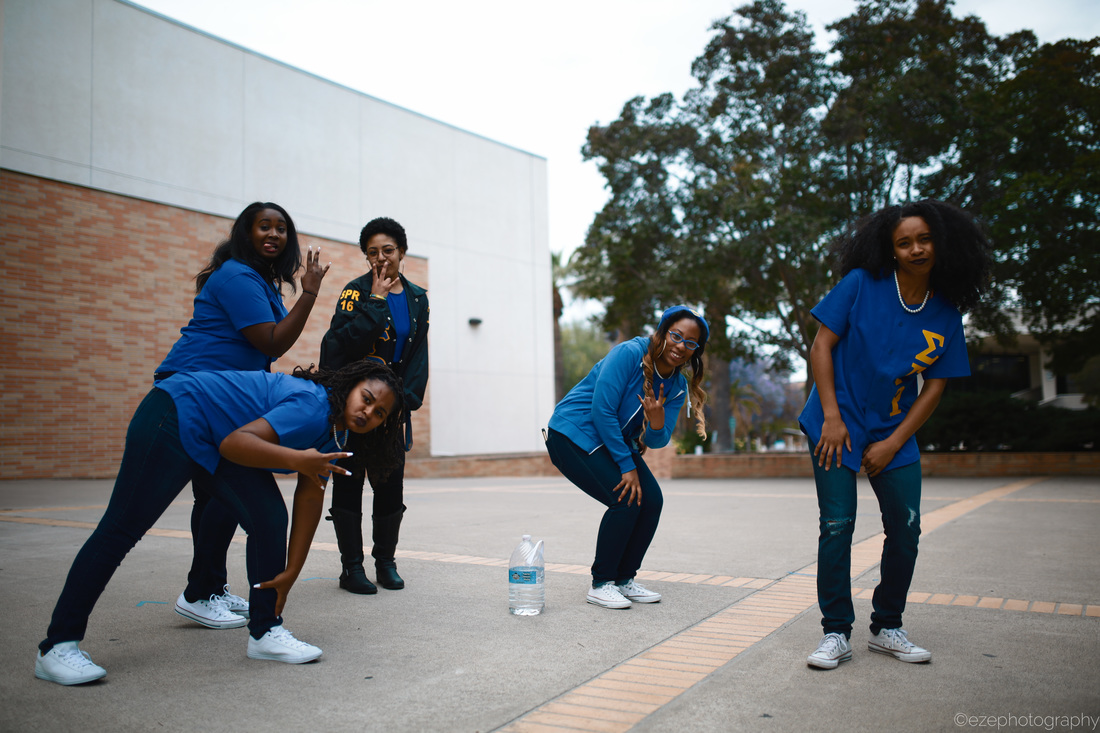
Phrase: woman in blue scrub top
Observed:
(239, 324)
(908, 273)
(599, 431)
(233, 429)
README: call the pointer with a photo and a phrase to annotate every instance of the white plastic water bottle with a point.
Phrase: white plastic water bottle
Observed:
(526, 595)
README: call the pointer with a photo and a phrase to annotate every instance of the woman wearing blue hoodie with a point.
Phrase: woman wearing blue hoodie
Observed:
(600, 430)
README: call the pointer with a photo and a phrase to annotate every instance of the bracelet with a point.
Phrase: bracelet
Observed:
(379, 297)
(309, 293)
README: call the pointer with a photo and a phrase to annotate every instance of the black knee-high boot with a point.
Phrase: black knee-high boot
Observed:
(349, 538)
(386, 530)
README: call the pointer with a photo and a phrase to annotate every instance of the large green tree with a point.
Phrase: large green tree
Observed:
(730, 197)
(715, 200)
(1030, 168)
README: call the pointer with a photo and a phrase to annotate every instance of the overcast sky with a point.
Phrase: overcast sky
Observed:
(532, 75)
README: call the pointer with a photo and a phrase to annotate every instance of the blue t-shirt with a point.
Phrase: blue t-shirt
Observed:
(881, 350)
(211, 405)
(233, 298)
(399, 311)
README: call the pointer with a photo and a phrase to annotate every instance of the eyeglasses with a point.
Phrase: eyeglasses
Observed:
(679, 339)
(372, 254)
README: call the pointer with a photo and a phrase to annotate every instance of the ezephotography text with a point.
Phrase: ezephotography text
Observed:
(1041, 722)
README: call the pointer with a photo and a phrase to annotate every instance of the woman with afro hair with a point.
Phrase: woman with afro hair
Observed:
(599, 432)
(908, 273)
(231, 429)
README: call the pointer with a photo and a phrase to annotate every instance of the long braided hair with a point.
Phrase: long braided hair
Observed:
(697, 396)
(384, 447)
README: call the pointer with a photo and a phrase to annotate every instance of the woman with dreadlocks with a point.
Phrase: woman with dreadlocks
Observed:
(231, 428)
(239, 324)
(600, 430)
(866, 403)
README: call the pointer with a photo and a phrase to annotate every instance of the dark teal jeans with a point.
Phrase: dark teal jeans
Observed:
(898, 493)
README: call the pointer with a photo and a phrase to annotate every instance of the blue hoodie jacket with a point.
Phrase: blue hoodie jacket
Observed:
(596, 411)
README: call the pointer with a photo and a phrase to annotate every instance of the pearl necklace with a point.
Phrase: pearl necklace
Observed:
(337, 440)
(901, 300)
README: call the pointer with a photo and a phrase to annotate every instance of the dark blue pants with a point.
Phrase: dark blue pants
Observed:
(212, 528)
(898, 493)
(155, 468)
(626, 531)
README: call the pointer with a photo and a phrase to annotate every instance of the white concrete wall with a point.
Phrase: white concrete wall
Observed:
(103, 94)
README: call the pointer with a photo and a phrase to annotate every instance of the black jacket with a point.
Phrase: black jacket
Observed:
(363, 327)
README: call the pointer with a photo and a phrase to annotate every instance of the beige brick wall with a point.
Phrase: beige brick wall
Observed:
(96, 287)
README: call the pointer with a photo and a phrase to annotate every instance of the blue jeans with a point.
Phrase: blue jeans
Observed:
(898, 493)
(626, 531)
(155, 468)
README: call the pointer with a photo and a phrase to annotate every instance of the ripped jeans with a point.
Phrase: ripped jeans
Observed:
(898, 493)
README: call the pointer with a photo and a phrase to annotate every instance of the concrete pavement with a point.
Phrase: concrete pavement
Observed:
(1006, 596)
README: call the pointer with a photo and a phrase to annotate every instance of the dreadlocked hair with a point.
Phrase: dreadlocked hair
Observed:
(697, 396)
(382, 449)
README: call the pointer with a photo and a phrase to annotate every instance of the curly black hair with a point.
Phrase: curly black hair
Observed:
(239, 247)
(963, 253)
(383, 448)
(387, 226)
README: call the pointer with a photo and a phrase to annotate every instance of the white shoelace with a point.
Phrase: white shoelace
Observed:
(900, 637)
(76, 658)
(219, 605)
(230, 598)
(830, 644)
(283, 636)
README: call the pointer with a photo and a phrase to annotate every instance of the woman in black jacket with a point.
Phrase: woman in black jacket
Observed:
(383, 317)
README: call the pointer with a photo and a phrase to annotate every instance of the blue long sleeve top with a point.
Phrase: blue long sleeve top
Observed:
(604, 408)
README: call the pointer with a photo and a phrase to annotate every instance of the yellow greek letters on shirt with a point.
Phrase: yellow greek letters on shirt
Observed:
(934, 341)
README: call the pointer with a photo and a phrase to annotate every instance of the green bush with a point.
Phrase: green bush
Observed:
(990, 421)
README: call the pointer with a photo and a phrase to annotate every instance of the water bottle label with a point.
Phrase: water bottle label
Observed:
(523, 575)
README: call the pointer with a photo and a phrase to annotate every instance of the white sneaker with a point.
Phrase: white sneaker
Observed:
(279, 645)
(636, 593)
(67, 664)
(608, 596)
(895, 642)
(235, 604)
(833, 649)
(213, 614)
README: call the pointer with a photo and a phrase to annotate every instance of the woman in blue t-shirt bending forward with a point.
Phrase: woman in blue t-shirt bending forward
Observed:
(239, 324)
(232, 429)
(908, 272)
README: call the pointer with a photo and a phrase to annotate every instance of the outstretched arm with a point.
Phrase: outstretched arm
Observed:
(309, 503)
(256, 445)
